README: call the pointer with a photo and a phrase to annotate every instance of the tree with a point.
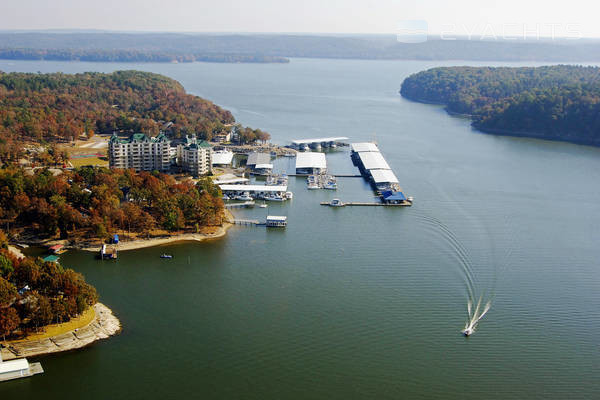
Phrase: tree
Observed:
(6, 266)
(9, 321)
(8, 293)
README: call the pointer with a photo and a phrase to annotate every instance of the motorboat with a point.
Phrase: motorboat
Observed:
(289, 195)
(244, 197)
(166, 256)
(225, 197)
(275, 197)
(263, 205)
(336, 203)
(468, 331)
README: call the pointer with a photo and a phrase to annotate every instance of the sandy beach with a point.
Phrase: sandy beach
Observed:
(103, 324)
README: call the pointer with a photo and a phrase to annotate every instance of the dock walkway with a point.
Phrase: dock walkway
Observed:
(246, 222)
(355, 203)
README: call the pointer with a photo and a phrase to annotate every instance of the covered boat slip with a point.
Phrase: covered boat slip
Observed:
(363, 146)
(311, 163)
(318, 142)
(372, 160)
(18, 369)
(222, 157)
(253, 189)
(258, 158)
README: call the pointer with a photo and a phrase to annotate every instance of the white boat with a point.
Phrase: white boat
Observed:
(244, 197)
(289, 195)
(289, 154)
(225, 197)
(274, 197)
(263, 205)
(468, 331)
(336, 203)
(333, 145)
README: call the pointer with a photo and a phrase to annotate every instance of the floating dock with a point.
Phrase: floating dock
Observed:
(364, 204)
(374, 168)
(317, 143)
(20, 368)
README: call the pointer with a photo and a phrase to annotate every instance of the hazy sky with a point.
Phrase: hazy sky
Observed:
(489, 17)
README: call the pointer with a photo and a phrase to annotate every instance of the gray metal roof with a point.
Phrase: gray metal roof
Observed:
(258, 158)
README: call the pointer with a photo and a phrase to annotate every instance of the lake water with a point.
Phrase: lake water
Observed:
(361, 303)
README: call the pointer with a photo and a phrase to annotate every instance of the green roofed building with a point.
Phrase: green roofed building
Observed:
(139, 152)
(51, 258)
(195, 156)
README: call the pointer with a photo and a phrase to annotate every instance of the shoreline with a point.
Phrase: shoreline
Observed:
(185, 237)
(505, 132)
(103, 325)
(220, 232)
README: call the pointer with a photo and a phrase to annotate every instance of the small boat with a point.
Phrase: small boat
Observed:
(467, 331)
(289, 154)
(410, 198)
(274, 197)
(263, 205)
(244, 197)
(336, 203)
(166, 256)
(289, 195)
(225, 197)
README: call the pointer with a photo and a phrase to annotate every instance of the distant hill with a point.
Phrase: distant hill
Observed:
(170, 47)
(554, 102)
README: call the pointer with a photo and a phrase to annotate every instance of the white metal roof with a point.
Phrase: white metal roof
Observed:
(383, 176)
(14, 365)
(311, 160)
(276, 218)
(364, 146)
(373, 160)
(253, 188)
(222, 157)
(319, 140)
(263, 166)
(231, 180)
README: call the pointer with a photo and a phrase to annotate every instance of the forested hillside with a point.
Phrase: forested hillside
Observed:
(62, 106)
(34, 293)
(93, 203)
(184, 47)
(554, 102)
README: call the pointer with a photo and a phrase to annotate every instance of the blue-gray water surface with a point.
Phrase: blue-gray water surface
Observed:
(358, 302)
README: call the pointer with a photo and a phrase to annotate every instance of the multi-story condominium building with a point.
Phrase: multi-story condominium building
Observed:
(195, 156)
(140, 152)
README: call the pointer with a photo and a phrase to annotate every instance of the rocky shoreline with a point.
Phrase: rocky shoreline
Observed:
(104, 325)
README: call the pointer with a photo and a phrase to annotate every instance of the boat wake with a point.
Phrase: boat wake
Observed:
(474, 316)
(479, 270)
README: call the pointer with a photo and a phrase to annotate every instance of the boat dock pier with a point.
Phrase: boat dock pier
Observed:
(245, 204)
(364, 204)
(246, 222)
(375, 169)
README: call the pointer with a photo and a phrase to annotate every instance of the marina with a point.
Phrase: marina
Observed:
(311, 163)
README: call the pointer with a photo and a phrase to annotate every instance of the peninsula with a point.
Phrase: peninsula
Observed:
(559, 102)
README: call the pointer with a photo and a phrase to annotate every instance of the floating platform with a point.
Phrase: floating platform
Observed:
(363, 204)
(8, 372)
